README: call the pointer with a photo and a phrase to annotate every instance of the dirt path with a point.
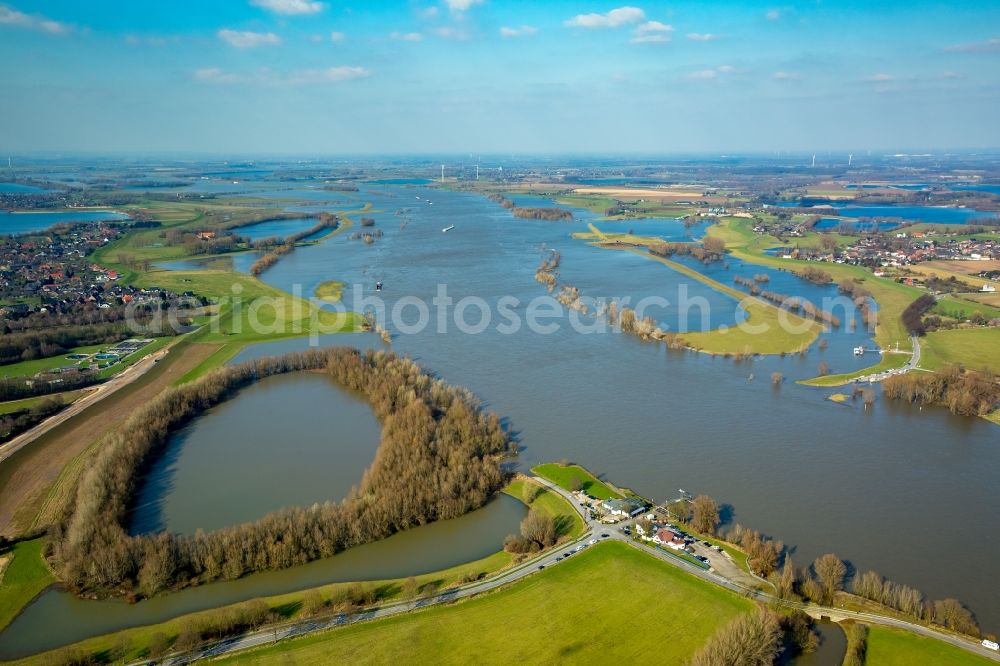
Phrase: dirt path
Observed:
(28, 476)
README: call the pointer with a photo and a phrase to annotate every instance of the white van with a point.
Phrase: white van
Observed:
(993, 645)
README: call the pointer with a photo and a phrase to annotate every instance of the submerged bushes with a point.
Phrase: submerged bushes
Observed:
(439, 458)
(963, 393)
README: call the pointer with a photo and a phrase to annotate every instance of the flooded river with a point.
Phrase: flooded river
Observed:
(869, 485)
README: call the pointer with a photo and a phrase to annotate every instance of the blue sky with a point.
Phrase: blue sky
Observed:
(467, 76)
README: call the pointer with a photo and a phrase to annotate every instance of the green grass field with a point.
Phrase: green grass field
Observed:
(892, 647)
(609, 604)
(27, 403)
(564, 476)
(568, 520)
(950, 307)
(34, 366)
(24, 577)
(973, 348)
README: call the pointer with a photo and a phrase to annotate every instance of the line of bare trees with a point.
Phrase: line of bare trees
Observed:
(821, 582)
(540, 213)
(863, 301)
(326, 221)
(270, 259)
(439, 458)
(546, 271)
(797, 304)
(962, 392)
(816, 275)
(711, 249)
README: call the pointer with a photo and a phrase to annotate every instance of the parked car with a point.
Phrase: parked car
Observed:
(541, 566)
(605, 535)
(592, 542)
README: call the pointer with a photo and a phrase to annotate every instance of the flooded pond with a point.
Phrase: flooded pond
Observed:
(232, 464)
(831, 651)
(276, 228)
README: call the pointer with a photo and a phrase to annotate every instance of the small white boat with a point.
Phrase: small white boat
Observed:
(448, 228)
(858, 351)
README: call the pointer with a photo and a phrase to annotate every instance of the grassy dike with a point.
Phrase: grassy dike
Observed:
(35, 577)
(611, 604)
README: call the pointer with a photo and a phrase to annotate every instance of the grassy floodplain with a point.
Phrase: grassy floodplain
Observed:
(611, 603)
(893, 647)
(239, 298)
(564, 475)
(973, 348)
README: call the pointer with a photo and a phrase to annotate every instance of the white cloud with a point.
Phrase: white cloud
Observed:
(711, 74)
(12, 17)
(215, 75)
(405, 36)
(523, 31)
(449, 32)
(328, 75)
(461, 5)
(267, 76)
(786, 76)
(429, 12)
(337, 36)
(613, 19)
(951, 75)
(703, 74)
(248, 40)
(880, 78)
(988, 46)
(652, 31)
(702, 37)
(290, 7)
(773, 15)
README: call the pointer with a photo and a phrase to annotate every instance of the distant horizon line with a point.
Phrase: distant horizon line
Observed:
(474, 156)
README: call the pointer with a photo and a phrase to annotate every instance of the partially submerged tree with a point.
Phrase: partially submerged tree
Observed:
(830, 572)
(705, 514)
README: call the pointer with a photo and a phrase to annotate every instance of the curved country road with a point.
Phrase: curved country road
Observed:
(298, 628)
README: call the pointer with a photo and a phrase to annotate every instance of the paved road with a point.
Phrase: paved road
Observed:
(915, 358)
(594, 531)
(103, 390)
